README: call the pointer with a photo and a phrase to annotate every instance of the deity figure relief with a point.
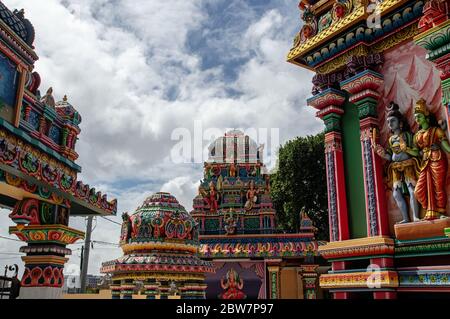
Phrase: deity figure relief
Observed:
(230, 223)
(48, 99)
(233, 285)
(404, 167)
(433, 145)
(251, 197)
(211, 197)
(125, 233)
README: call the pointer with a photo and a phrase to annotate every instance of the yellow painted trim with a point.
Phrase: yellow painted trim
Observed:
(352, 243)
(359, 13)
(159, 276)
(20, 194)
(48, 227)
(382, 279)
(128, 248)
(432, 30)
(42, 259)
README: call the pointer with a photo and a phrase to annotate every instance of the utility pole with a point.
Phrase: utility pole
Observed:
(85, 255)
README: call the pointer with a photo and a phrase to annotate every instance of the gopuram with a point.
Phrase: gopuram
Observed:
(160, 245)
(38, 173)
(237, 225)
(382, 88)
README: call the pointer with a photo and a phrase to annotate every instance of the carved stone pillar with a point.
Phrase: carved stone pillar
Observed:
(330, 104)
(310, 283)
(363, 88)
(273, 270)
(43, 227)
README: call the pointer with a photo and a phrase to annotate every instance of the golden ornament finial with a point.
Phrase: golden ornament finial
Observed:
(421, 107)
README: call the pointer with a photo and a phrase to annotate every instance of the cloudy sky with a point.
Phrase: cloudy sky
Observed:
(138, 69)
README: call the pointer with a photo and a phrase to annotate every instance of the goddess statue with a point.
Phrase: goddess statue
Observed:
(211, 198)
(230, 222)
(433, 145)
(404, 166)
(233, 285)
(251, 196)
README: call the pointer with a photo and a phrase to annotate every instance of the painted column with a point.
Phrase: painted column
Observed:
(363, 88)
(43, 227)
(151, 289)
(309, 276)
(273, 270)
(329, 104)
(435, 38)
(127, 289)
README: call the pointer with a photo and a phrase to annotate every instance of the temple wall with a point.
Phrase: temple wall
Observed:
(291, 285)
(409, 76)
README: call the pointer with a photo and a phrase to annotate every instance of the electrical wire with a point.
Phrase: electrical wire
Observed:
(112, 221)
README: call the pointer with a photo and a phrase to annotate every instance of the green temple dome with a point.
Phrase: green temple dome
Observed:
(160, 245)
(160, 223)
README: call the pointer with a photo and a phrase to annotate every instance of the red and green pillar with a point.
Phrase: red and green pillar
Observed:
(44, 227)
(329, 104)
(363, 89)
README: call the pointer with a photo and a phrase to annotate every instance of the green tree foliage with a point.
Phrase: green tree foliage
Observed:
(301, 182)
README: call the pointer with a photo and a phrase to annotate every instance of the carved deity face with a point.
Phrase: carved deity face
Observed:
(393, 123)
(421, 119)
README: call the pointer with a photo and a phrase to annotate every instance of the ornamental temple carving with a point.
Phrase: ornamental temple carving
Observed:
(38, 173)
(381, 88)
(237, 229)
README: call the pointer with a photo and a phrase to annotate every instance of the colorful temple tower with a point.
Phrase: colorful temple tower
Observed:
(38, 173)
(381, 86)
(160, 245)
(237, 225)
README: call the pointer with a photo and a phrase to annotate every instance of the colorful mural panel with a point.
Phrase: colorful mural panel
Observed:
(408, 76)
(237, 280)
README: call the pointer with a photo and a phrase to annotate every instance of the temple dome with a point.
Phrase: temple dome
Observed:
(160, 245)
(163, 221)
(235, 146)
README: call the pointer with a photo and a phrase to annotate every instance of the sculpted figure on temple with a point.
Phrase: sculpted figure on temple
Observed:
(230, 222)
(433, 144)
(48, 99)
(251, 196)
(211, 197)
(125, 233)
(404, 167)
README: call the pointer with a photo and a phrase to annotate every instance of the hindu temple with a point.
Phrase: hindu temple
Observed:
(238, 229)
(38, 173)
(160, 244)
(381, 86)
